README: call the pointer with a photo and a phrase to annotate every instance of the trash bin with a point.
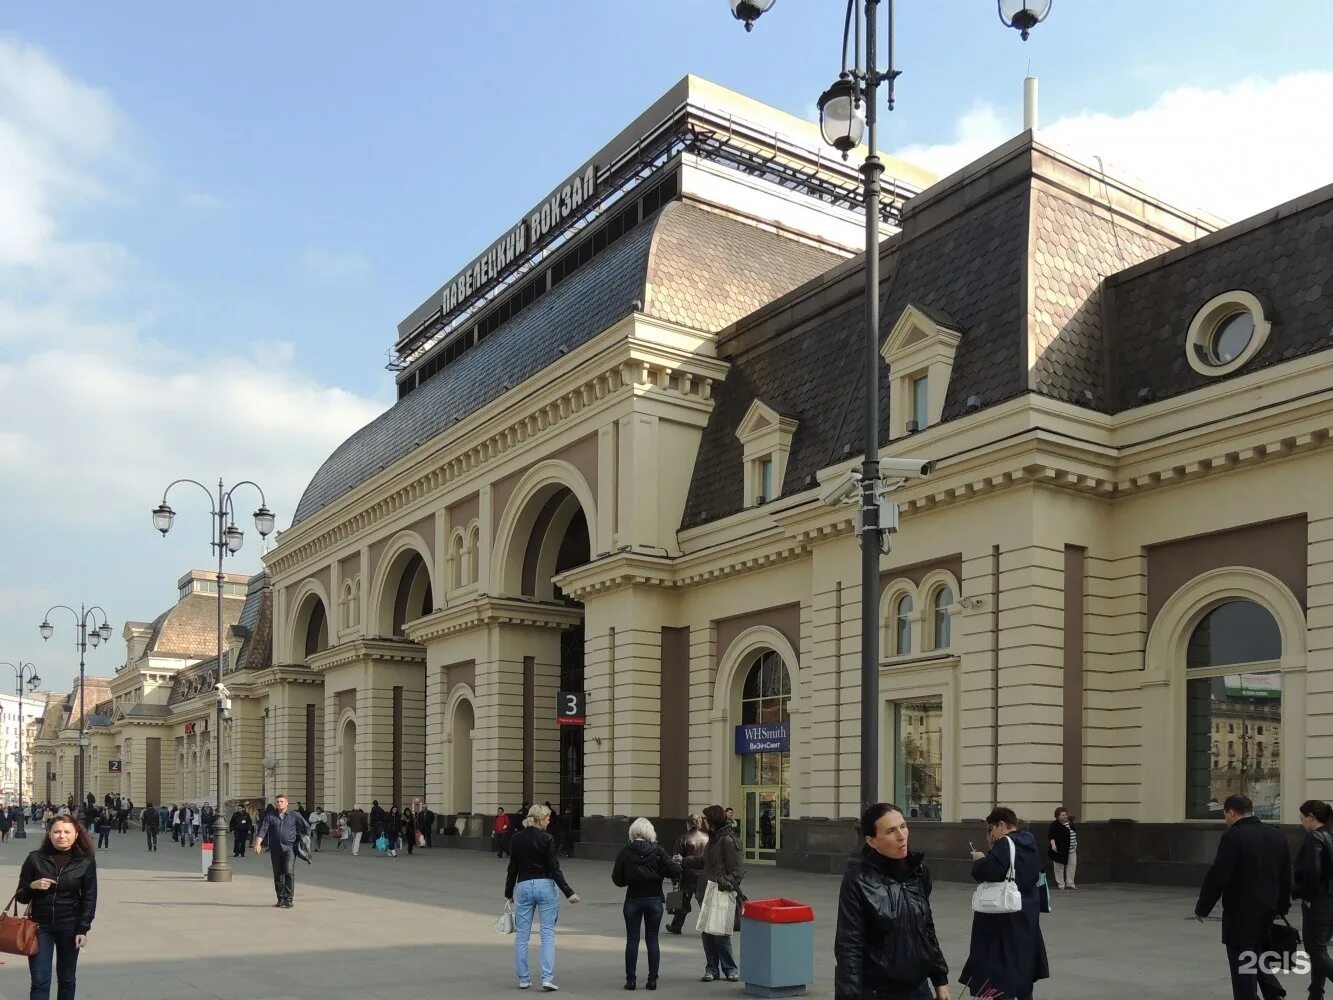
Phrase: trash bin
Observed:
(777, 947)
(206, 854)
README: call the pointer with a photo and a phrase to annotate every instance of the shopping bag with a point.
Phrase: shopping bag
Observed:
(717, 912)
(1044, 893)
(421, 839)
(675, 901)
(18, 934)
(999, 897)
(504, 924)
(382, 844)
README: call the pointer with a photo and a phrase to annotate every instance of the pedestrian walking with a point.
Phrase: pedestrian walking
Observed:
(886, 947)
(283, 829)
(150, 822)
(319, 823)
(241, 827)
(689, 844)
(500, 833)
(426, 824)
(194, 825)
(719, 863)
(59, 882)
(1063, 838)
(343, 832)
(1007, 954)
(639, 869)
(356, 822)
(1251, 875)
(103, 827)
(531, 885)
(1313, 886)
(407, 829)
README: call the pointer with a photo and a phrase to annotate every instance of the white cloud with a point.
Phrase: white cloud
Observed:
(99, 412)
(1232, 152)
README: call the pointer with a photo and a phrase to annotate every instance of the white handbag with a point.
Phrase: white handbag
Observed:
(504, 924)
(718, 912)
(999, 897)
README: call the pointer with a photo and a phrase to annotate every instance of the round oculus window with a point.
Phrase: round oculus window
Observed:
(1230, 338)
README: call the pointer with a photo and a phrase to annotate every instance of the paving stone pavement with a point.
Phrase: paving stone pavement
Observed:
(410, 928)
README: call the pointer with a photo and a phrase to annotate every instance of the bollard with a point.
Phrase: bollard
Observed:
(206, 854)
(777, 947)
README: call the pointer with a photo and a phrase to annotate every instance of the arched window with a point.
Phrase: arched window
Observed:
(902, 625)
(765, 776)
(456, 560)
(473, 552)
(942, 630)
(1234, 690)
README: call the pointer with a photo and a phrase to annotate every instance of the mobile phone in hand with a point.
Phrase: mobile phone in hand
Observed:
(970, 847)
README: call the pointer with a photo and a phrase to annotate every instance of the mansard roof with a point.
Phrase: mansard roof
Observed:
(689, 265)
(189, 629)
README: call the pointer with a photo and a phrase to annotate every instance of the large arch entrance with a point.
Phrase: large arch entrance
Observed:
(552, 536)
(310, 634)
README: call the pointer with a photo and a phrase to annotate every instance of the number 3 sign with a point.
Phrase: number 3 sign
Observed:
(571, 709)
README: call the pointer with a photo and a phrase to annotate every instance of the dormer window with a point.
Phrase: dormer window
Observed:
(765, 435)
(919, 352)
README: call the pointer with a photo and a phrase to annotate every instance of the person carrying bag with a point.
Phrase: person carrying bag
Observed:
(18, 934)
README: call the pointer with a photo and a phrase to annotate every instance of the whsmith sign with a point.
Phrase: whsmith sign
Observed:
(773, 737)
(563, 203)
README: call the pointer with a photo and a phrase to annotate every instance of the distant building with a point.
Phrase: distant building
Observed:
(15, 720)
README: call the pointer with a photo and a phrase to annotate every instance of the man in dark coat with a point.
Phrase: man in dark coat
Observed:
(284, 829)
(242, 827)
(426, 824)
(1251, 875)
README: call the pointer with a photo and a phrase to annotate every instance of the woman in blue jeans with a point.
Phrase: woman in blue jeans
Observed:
(722, 863)
(531, 883)
(59, 881)
(640, 868)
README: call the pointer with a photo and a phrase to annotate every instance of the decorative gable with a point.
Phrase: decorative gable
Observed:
(919, 353)
(765, 434)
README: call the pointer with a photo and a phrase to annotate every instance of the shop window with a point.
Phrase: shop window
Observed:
(1234, 678)
(765, 776)
(918, 772)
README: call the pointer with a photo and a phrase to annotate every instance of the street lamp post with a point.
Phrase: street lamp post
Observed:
(847, 114)
(95, 635)
(227, 540)
(25, 675)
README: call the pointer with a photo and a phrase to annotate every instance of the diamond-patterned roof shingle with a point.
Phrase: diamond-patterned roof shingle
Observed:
(1286, 261)
(189, 630)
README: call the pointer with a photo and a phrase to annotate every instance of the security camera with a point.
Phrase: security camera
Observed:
(845, 489)
(222, 689)
(905, 468)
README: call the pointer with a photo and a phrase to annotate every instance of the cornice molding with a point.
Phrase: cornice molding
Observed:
(622, 366)
(485, 611)
(361, 650)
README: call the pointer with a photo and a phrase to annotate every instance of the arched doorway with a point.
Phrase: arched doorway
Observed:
(311, 632)
(347, 765)
(404, 591)
(765, 756)
(464, 721)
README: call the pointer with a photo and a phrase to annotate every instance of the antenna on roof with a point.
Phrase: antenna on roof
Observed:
(1030, 103)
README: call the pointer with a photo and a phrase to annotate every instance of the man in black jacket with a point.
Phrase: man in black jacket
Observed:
(1252, 876)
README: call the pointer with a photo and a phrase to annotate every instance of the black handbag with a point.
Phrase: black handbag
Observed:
(1285, 940)
(675, 901)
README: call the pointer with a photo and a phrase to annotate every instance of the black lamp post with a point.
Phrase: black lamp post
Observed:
(95, 635)
(227, 540)
(25, 675)
(847, 116)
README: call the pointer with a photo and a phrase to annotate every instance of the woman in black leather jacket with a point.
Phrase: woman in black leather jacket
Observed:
(59, 880)
(886, 947)
(1313, 885)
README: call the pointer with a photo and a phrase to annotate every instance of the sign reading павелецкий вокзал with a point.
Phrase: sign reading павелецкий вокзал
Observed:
(769, 737)
(564, 202)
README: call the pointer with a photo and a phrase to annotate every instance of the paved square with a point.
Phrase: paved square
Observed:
(375, 928)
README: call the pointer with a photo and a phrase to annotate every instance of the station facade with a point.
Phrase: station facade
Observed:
(604, 470)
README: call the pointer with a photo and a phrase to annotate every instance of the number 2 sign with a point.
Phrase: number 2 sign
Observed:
(571, 709)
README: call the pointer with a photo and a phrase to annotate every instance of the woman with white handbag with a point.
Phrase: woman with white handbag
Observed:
(1007, 954)
(720, 870)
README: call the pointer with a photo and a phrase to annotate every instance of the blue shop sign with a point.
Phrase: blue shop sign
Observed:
(773, 737)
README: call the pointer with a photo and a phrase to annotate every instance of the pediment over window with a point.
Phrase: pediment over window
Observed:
(766, 436)
(919, 352)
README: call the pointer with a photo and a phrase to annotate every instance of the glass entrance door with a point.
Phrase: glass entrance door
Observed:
(761, 821)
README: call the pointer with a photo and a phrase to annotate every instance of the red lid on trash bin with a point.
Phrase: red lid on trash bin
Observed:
(208, 845)
(778, 911)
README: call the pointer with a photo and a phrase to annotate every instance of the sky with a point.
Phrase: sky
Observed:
(213, 217)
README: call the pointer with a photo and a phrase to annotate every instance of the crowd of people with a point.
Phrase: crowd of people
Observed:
(885, 944)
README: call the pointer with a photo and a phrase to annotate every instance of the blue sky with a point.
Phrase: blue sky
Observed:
(212, 220)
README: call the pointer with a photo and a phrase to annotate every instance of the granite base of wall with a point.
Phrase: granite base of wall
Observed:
(1176, 854)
